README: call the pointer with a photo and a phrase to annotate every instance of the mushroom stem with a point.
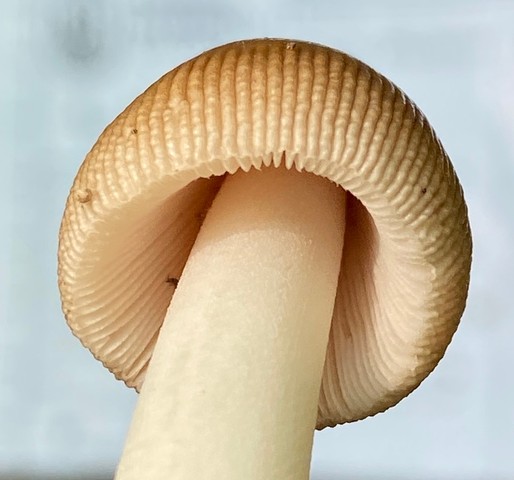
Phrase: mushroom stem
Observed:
(232, 388)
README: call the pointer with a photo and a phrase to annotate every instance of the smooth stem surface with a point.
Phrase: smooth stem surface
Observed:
(232, 389)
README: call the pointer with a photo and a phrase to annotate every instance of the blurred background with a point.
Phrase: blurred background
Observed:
(69, 67)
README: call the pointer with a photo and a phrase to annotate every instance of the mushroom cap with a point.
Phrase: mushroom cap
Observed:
(140, 196)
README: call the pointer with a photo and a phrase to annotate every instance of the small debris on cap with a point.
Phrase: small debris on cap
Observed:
(84, 195)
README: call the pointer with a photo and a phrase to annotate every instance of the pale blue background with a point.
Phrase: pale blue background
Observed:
(68, 67)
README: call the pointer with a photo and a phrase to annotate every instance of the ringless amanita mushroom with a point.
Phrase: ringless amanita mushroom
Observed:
(237, 173)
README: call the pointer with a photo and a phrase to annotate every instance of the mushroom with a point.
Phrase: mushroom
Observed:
(268, 240)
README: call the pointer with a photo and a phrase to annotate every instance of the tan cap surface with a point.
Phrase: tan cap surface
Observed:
(139, 198)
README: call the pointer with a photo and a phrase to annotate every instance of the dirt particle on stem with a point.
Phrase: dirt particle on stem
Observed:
(172, 280)
(200, 216)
